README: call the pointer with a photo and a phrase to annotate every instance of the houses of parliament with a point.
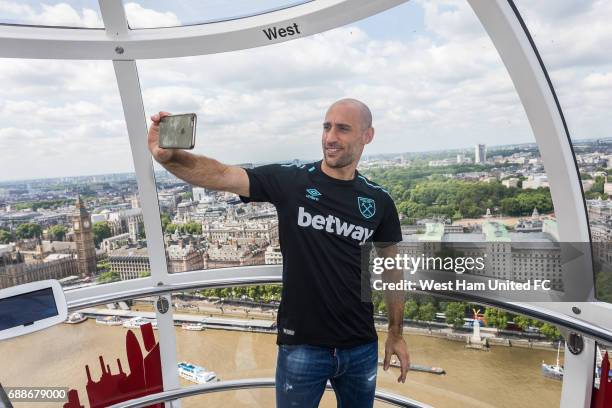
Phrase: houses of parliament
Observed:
(34, 259)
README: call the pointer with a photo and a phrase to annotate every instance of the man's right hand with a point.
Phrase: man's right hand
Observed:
(159, 154)
(196, 169)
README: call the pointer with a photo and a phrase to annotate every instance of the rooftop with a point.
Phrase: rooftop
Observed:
(495, 232)
(434, 231)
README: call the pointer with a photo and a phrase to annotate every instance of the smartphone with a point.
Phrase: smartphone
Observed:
(177, 131)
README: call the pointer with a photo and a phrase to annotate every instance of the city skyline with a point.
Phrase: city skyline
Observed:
(408, 63)
(450, 153)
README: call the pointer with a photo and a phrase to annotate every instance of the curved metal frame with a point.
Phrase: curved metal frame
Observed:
(500, 19)
(247, 384)
(170, 42)
(509, 34)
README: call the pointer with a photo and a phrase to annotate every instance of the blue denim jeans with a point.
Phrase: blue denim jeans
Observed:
(302, 371)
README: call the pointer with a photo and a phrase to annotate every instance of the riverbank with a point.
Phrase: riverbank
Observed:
(449, 334)
(203, 309)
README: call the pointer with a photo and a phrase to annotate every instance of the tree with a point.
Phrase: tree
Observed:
(5, 236)
(101, 230)
(191, 227)
(455, 313)
(411, 310)
(165, 220)
(57, 232)
(598, 186)
(510, 206)
(603, 286)
(144, 274)
(28, 230)
(141, 229)
(551, 332)
(522, 322)
(427, 312)
(107, 277)
(103, 266)
(259, 293)
(496, 318)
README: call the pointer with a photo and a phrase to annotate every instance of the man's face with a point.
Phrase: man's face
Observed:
(343, 137)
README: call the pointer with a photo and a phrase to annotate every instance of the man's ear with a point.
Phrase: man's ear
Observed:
(369, 135)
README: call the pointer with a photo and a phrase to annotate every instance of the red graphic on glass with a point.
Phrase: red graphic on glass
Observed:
(602, 398)
(145, 375)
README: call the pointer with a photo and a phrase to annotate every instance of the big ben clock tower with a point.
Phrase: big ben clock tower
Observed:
(83, 232)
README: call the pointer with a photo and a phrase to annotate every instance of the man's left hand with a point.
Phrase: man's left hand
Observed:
(396, 344)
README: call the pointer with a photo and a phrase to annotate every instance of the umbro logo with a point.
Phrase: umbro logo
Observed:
(313, 194)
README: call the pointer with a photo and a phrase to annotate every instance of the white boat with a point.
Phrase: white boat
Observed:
(195, 373)
(136, 322)
(74, 318)
(553, 371)
(109, 320)
(192, 326)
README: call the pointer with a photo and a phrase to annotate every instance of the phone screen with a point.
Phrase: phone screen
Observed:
(177, 131)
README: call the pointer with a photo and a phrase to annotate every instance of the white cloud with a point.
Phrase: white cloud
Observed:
(61, 14)
(140, 17)
(570, 33)
(10, 8)
(64, 15)
(573, 38)
(450, 19)
(599, 81)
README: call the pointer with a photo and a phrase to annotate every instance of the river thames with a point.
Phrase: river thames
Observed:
(501, 377)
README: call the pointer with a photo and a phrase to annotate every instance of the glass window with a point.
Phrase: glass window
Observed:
(151, 14)
(452, 146)
(101, 357)
(581, 73)
(56, 13)
(452, 143)
(69, 199)
(229, 331)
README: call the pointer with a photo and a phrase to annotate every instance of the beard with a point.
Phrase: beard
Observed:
(343, 159)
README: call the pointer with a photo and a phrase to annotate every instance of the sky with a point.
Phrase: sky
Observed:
(427, 69)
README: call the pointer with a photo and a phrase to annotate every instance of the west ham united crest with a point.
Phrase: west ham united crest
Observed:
(367, 206)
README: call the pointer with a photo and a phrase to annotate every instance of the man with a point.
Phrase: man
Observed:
(326, 212)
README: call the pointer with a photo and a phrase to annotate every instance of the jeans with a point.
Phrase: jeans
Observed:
(302, 372)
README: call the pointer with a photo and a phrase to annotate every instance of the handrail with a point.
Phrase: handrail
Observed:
(597, 333)
(249, 383)
(103, 299)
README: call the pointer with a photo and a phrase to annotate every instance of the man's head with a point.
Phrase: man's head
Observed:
(346, 130)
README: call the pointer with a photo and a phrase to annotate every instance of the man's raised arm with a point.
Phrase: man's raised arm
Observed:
(196, 169)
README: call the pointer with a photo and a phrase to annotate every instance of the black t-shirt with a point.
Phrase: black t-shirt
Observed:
(323, 222)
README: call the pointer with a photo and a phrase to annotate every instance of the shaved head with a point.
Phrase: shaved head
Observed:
(365, 116)
(347, 128)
